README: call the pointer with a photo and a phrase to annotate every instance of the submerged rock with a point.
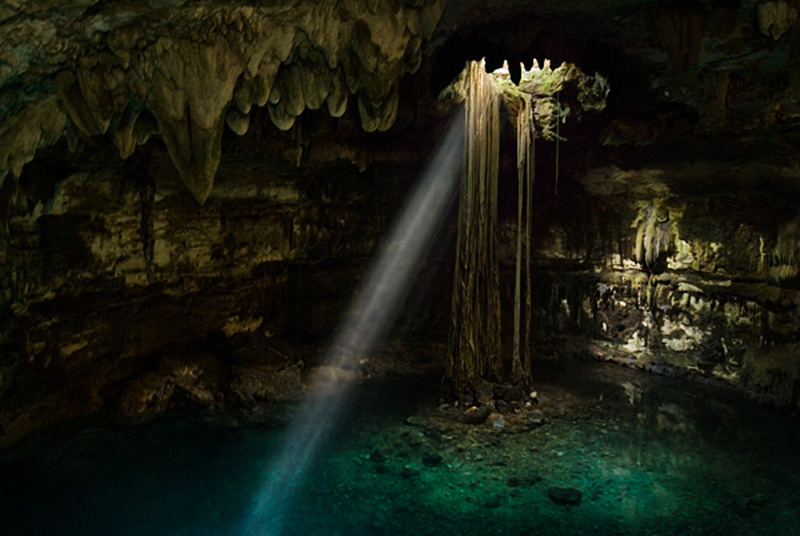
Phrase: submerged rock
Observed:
(753, 501)
(413, 420)
(476, 415)
(536, 418)
(381, 468)
(502, 406)
(495, 500)
(513, 482)
(499, 423)
(431, 459)
(517, 481)
(376, 456)
(409, 471)
(565, 496)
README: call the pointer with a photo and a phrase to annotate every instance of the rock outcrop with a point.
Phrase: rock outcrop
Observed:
(186, 69)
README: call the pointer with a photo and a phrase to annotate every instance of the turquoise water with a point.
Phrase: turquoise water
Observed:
(649, 456)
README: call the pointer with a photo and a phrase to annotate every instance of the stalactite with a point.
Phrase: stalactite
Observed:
(783, 263)
(257, 54)
(653, 235)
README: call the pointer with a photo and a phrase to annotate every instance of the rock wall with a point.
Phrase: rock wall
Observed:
(683, 268)
(121, 294)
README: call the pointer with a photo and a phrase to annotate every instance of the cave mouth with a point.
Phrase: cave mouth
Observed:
(600, 449)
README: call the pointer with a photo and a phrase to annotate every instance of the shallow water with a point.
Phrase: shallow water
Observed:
(650, 456)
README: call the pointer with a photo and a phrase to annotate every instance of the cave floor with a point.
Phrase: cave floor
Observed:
(605, 450)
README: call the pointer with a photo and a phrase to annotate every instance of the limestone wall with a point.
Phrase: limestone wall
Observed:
(686, 269)
(121, 294)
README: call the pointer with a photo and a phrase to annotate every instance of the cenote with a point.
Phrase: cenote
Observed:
(648, 455)
(423, 267)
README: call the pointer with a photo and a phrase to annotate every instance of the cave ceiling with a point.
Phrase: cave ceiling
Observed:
(184, 71)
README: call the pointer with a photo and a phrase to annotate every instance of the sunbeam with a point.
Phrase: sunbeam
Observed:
(370, 314)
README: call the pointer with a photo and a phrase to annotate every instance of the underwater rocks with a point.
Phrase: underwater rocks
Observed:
(414, 420)
(495, 500)
(493, 416)
(499, 423)
(377, 456)
(748, 503)
(381, 468)
(518, 482)
(507, 413)
(565, 496)
(536, 418)
(502, 406)
(476, 415)
(409, 471)
(432, 459)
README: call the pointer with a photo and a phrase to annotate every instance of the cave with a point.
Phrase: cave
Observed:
(366, 267)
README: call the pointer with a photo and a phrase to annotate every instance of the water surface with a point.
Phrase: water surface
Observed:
(650, 456)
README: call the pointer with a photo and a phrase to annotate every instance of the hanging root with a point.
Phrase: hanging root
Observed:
(474, 350)
(474, 346)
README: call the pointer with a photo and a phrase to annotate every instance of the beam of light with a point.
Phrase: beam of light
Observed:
(369, 316)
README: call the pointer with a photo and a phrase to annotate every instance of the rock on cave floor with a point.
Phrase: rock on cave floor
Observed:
(604, 451)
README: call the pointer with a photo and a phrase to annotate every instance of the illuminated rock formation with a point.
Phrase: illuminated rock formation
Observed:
(195, 67)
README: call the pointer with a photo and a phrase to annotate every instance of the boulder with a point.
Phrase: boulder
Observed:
(565, 496)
